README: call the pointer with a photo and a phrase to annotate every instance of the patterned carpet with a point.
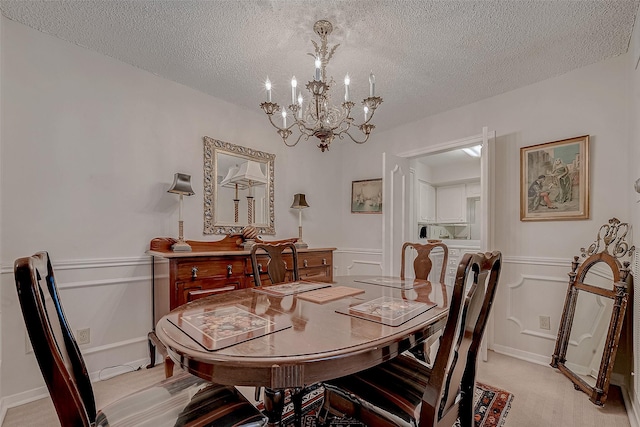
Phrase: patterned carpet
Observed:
(492, 405)
(491, 408)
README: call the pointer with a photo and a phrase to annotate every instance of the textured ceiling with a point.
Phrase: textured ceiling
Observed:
(428, 56)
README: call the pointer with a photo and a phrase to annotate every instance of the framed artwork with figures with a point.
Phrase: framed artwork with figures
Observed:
(554, 180)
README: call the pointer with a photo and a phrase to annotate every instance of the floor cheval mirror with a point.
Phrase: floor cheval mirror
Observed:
(594, 312)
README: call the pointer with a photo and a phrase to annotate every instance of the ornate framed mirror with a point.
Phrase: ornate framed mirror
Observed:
(594, 312)
(238, 188)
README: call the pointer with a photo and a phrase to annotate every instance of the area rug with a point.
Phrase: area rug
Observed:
(491, 408)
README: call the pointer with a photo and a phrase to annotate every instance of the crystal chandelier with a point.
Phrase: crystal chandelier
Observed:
(318, 117)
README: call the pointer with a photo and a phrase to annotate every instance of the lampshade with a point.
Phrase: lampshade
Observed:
(181, 185)
(249, 173)
(299, 201)
(228, 180)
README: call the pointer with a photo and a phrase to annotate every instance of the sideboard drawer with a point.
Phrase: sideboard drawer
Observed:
(204, 268)
(314, 259)
(321, 274)
(192, 290)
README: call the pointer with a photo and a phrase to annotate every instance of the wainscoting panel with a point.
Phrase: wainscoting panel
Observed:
(354, 262)
(531, 288)
(528, 299)
(111, 297)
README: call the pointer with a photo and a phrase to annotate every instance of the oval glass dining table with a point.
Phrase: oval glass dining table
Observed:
(273, 338)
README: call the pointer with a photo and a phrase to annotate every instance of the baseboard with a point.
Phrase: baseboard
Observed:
(632, 407)
(114, 371)
(522, 355)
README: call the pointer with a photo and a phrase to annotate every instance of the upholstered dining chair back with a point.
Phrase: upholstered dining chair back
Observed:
(276, 267)
(181, 400)
(405, 391)
(423, 262)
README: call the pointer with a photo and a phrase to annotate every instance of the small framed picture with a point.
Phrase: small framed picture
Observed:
(554, 180)
(366, 196)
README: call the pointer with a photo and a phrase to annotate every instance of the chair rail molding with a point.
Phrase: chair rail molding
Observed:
(77, 264)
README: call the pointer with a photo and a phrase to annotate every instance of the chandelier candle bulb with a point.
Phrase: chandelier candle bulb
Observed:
(284, 118)
(366, 113)
(318, 64)
(294, 83)
(267, 85)
(300, 100)
(372, 85)
(347, 80)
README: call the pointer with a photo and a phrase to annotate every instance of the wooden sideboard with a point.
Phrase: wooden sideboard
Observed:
(212, 268)
(223, 265)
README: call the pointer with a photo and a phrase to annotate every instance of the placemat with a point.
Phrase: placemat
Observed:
(224, 326)
(330, 294)
(387, 310)
(393, 282)
(291, 288)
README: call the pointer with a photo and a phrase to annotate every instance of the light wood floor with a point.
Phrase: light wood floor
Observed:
(543, 397)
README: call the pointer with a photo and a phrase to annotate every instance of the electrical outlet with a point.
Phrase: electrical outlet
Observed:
(545, 323)
(83, 336)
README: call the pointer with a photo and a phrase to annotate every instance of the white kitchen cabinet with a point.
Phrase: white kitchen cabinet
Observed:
(473, 189)
(427, 205)
(451, 204)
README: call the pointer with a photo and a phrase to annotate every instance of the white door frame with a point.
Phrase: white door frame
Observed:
(485, 139)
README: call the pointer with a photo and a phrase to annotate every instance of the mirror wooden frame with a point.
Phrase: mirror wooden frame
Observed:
(612, 237)
(213, 147)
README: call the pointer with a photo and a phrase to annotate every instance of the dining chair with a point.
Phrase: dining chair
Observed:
(277, 271)
(178, 401)
(404, 391)
(276, 267)
(422, 265)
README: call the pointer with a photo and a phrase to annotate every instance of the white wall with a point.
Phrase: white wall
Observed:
(89, 148)
(593, 100)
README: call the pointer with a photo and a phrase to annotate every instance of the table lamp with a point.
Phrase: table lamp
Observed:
(182, 186)
(250, 175)
(299, 202)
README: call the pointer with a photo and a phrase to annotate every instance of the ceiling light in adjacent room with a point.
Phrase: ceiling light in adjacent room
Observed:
(473, 151)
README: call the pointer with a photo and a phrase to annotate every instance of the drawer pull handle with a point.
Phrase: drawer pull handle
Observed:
(229, 270)
(306, 263)
(324, 261)
(259, 268)
(194, 272)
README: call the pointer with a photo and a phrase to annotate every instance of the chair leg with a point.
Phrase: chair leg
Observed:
(296, 398)
(323, 414)
(273, 405)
